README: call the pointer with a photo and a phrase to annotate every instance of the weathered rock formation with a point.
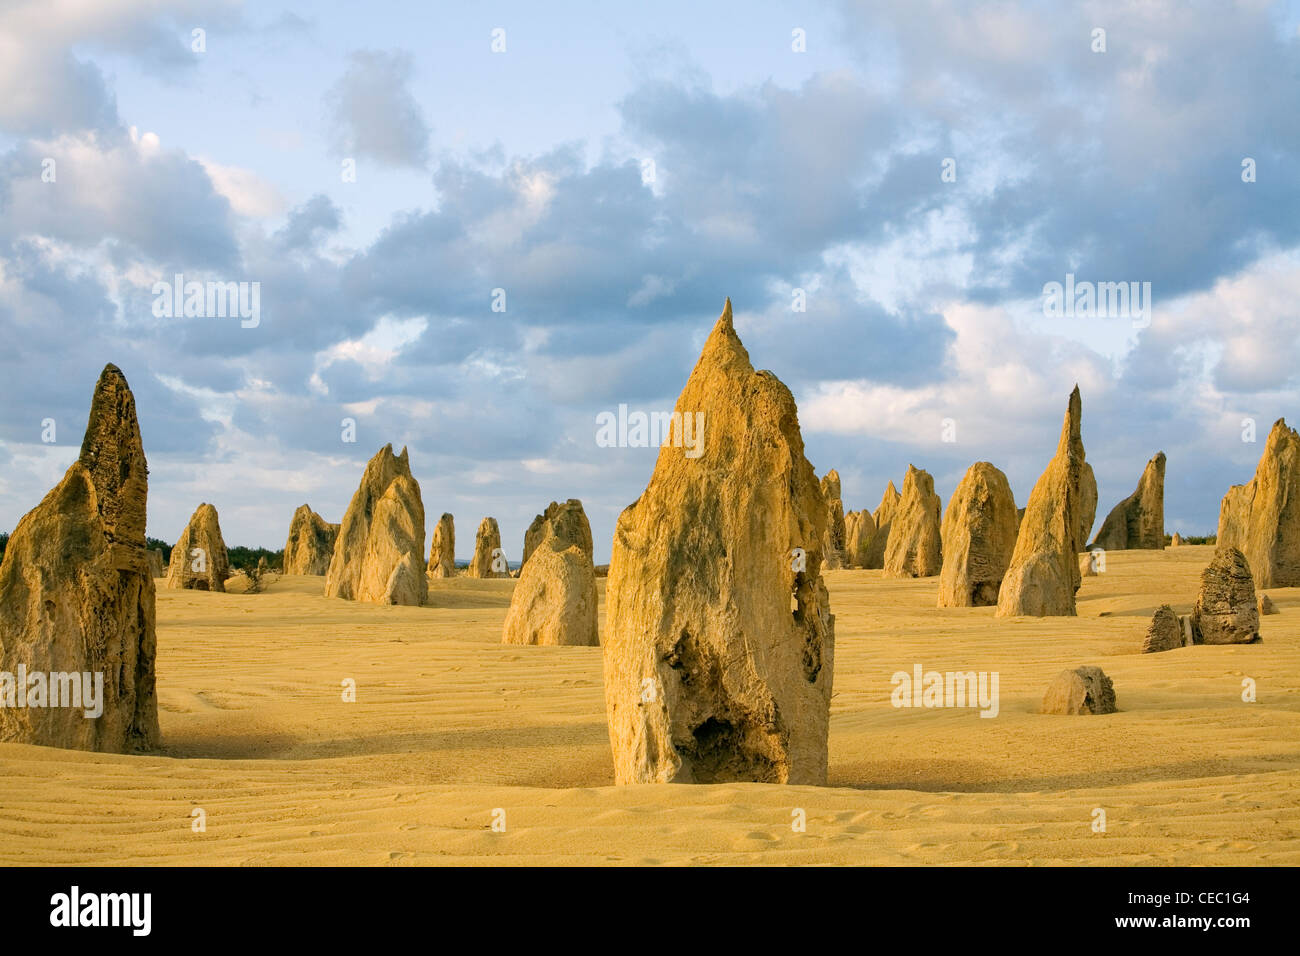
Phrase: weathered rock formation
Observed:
(1084, 690)
(1176, 541)
(310, 546)
(1266, 605)
(555, 599)
(859, 530)
(834, 546)
(566, 521)
(914, 549)
(1044, 571)
(156, 566)
(1138, 522)
(1262, 518)
(199, 561)
(379, 551)
(1234, 516)
(442, 552)
(1087, 501)
(1226, 612)
(77, 597)
(979, 535)
(710, 676)
(1164, 633)
(883, 517)
(487, 548)
(1087, 565)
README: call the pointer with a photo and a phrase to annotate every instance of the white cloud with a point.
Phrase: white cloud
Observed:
(248, 193)
(375, 350)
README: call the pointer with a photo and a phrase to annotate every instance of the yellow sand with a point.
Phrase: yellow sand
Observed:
(450, 725)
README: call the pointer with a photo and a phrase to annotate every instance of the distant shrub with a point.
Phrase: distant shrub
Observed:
(256, 575)
(157, 544)
(241, 558)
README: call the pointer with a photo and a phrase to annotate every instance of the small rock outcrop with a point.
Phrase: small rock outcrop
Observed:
(1266, 605)
(555, 600)
(1262, 518)
(77, 635)
(199, 560)
(859, 530)
(834, 549)
(157, 568)
(1044, 572)
(310, 546)
(710, 676)
(566, 521)
(379, 552)
(1226, 611)
(914, 549)
(851, 523)
(1138, 522)
(487, 550)
(883, 517)
(442, 552)
(979, 535)
(1176, 541)
(1164, 633)
(1084, 690)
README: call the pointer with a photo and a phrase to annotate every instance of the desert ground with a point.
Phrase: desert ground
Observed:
(449, 726)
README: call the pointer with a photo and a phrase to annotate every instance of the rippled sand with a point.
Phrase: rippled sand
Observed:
(450, 726)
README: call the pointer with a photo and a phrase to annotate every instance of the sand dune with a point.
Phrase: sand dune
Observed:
(450, 725)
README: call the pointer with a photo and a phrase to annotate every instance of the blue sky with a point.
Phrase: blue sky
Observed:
(526, 170)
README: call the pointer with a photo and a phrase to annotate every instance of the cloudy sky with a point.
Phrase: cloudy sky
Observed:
(618, 173)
